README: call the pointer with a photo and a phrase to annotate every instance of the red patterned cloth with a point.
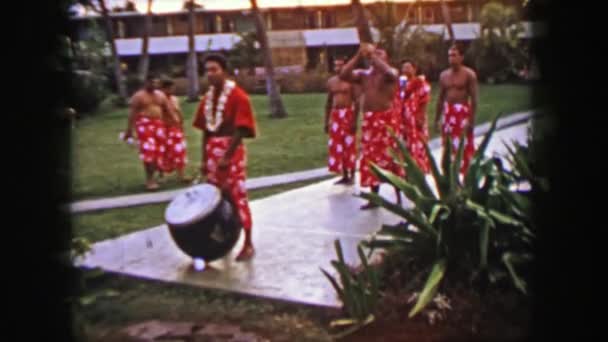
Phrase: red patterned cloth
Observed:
(175, 145)
(456, 117)
(415, 127)
(174, 149)
(152, 134)
(376, 143)
(232, 178)
(237, 113)
(342, 143)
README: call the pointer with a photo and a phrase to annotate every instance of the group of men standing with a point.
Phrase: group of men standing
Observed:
(397, 101)
(157, 118)
(225, 116)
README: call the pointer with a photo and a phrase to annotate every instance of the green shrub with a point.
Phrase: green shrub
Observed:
(475, 228)
(88, 90)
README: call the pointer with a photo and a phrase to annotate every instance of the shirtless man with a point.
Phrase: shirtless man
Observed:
(175, 149)
(458, 101)
(341, 114)
(379, 86)
(148, 106)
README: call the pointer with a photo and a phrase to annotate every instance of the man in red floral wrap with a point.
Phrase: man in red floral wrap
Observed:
(226, 117)
(416, 96)
(341, 111)
(458, 101)
(379, 88)
(175, 144)
(148, 107)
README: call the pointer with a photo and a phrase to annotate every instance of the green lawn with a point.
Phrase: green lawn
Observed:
(105, 166)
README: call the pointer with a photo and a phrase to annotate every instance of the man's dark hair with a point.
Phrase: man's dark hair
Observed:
(151, 77)
(219, 59)
(414, 64)
(166, 83)
(458, 47)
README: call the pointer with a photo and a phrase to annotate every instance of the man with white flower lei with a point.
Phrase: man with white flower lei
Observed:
(458, 101)
(148, 106)
(225, 116)
(341, 112)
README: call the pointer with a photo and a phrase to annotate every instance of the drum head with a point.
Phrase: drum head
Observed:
(193, 205)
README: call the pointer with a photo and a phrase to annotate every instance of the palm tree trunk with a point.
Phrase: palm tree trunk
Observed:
(445, 12)
(365, 33)
(277, 110)
(120, 84)
(144, 58)
(192, 64)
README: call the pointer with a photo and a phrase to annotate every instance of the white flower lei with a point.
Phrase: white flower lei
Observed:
(214, 122)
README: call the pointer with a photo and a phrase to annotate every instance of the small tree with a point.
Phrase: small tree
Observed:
(426, 48)
(498, 52)
(90, 69)
(277, 110)
(144, 58)
(246, 53)
(192, 63)
(100, 7)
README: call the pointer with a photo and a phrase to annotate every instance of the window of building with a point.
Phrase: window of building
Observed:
(428, 14)
(121, 29)
(458, 13)
(218, 23)
(319, 23)
(330, 19)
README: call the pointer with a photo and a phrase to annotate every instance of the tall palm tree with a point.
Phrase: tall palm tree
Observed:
(363, 29)
(277, 110)
(144, 58)
(103, 10)
(192, 63)
(445, 12)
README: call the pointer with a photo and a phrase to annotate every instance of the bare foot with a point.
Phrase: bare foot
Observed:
(369, 205)
(185, 179)
(341, 181)
(246, 253)
(152, 185)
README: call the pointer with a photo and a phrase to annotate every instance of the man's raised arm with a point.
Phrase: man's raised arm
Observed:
(347, 73)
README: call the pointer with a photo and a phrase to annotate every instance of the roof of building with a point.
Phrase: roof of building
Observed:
(293, 38)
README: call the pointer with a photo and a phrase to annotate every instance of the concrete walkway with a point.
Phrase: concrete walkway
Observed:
(254, 183)
(293, 232)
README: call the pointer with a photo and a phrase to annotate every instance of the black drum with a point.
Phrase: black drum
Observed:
(203, 223)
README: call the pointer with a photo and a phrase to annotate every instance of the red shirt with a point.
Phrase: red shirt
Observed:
(238, 113)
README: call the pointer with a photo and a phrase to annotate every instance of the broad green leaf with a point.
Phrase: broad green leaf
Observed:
(430, 288)
(409, 215)
(87, 300)
(334, 283)
(439, 179)
(414, 173)
(510, 260)
(109, 293)
(446, 163)
(484, 242)
(480, 153)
